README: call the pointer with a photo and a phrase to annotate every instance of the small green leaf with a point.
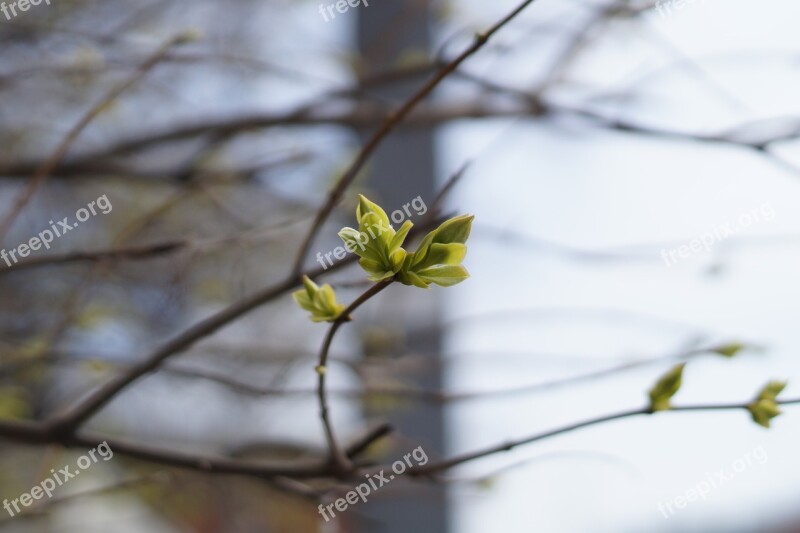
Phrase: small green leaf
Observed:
(439, 255)
(351, 240)
(410, 278)
(444, 275)
(455, 230)
(446, 254)
(400, 236)
(771, 390)
(665, 388)
(376, 270)
(366, 207)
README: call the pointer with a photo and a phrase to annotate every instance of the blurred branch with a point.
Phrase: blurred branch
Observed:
(391, 122)
(367, 115)
(40, 433)
(139, 252)
(49, 165)
(70, 420)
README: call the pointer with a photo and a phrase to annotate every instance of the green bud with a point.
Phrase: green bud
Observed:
(189, 36)
(763, 411)
(319, 301)
(729, 350)
(665, 388)
(765, 407)
(376, 243)
(382, 256)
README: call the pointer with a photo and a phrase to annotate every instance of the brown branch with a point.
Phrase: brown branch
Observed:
(67, 423)
(73, 418)
(129, 252)
(447, 464)
(366, 116)
(70, 420)
(360, 445)
(391, 122)
(42, 433)
(147, 251)
(337, 457)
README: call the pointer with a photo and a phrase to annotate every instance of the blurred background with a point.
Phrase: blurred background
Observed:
(594, 141)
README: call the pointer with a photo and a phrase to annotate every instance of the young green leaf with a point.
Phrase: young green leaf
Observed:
(439, 255)
(665, 388)
(771, 390)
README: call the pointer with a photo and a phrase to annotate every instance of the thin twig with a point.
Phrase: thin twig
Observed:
(391, 122)
(49, 165)
(70, 420)
(447, 464)
(338, 458)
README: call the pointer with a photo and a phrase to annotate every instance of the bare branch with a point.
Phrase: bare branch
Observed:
(47, 168)
(339, 458)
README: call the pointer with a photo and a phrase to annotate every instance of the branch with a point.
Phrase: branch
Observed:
(391, 122)
(129, 252)
(360, 446)
(47, 168)
(41, 433)
(69, 421)
(510, 445)
(338, 458)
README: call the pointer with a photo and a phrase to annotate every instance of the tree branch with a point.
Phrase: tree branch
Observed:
(447, 464)
(391, 122)
(337, 457)
(47, 168)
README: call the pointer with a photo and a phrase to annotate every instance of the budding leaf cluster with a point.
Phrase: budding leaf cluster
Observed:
(319, 301)
(379, 247)
(375, 241)
(764, 408)
(437, 260)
